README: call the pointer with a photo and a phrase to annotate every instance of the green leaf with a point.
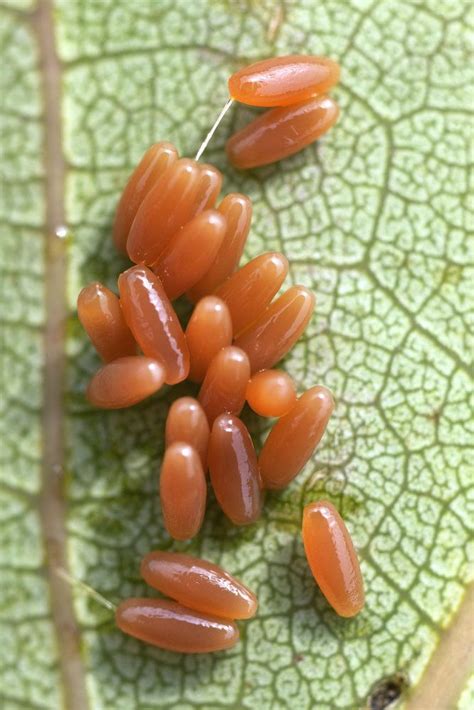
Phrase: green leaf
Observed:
(375, 219)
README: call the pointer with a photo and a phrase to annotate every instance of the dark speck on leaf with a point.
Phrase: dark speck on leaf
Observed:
(387, 691)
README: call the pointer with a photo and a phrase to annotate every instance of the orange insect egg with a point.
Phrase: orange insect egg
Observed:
(156, 160)
(250, 289)
(281, 132)
(332, 558)
(225, 383)
(294, 437)
(282, 81)
(102, 318)
(153, 321)
(271, 393)
(278, 328)
(187, 422)
(237, 209)
(167, 207)
(183, 491)
(189, 254)
(198, 584)
(174, 627)
(209, 330)
(233, 470)
(124, 382)
(209, 187)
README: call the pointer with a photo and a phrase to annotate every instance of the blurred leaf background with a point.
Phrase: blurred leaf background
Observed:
(375, 218)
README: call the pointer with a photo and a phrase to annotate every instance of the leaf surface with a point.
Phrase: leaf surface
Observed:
(374, 218)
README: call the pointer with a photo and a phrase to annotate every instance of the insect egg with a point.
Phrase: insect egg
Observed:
(283, 81)
(101, 316)
(271, 393)
(153, 321)
(187, 422)
(250, 289)
(332, 558)
(237, 209)
(189, 254)
(208, 331)
(157, 159)
(277, 329)
(208, 189)
(223, 388)
(124, 382)
(233, 470)
(294, 437)
(167, 207)
(198, 584)
(182, 491)
(174, 627)
(281, 132)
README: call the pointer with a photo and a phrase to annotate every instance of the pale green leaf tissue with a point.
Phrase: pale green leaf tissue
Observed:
(374, 218)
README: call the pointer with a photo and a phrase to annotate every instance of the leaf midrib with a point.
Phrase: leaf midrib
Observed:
(446, 673)
(52, 505)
